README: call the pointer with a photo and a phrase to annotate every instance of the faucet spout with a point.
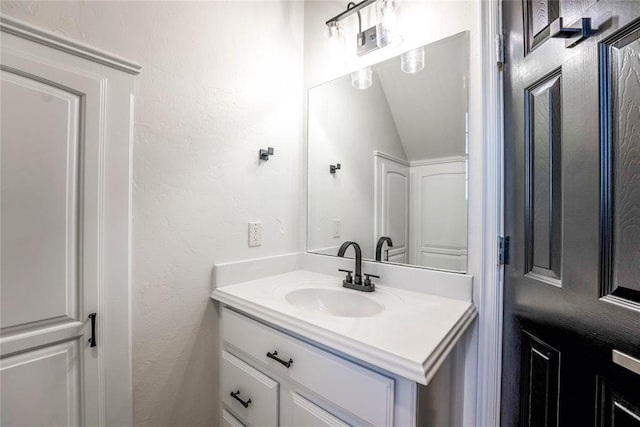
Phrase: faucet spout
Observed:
(381, 242)
(357, 277)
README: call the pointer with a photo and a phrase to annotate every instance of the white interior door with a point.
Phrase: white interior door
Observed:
(439, 214)
(392, 206)
(49, 177)
(56, 181)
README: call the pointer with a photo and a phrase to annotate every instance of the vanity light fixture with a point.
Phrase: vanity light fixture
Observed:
(412, 61)
(362, 78)
(372, 38)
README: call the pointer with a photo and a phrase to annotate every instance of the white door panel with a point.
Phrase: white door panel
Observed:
(41, 387)
(39, 202)
(439, 215)
(392, 205)
(51, 190)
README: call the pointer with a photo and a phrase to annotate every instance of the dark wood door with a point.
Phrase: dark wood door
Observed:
(572, 209)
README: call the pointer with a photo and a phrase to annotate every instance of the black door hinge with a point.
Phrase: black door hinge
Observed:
(500, 50)
(503, 250)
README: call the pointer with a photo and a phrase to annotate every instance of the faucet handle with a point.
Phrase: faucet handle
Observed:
(349, 278)
(367, 280)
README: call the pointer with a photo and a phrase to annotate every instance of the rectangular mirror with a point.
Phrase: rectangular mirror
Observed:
(388, 158)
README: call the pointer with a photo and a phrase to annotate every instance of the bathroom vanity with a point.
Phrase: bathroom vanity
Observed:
(298, 349)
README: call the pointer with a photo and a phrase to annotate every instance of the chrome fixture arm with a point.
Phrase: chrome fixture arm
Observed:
(351, 9)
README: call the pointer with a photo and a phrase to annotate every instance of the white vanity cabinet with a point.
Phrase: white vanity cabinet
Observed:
(302, 384)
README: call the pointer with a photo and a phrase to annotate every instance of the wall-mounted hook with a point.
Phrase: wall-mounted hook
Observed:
(334, 168)
(264, 154)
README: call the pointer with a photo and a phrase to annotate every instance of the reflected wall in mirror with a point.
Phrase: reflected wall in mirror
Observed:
(390, 160)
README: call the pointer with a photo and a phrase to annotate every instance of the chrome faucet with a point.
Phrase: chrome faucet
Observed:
(381, 241)
(356, 281)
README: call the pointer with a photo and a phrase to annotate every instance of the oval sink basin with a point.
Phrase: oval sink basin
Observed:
(334, 302)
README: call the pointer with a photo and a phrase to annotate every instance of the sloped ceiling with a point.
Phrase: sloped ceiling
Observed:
(429, 107)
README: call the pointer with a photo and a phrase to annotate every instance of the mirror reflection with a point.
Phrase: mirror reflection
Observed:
(388, 159)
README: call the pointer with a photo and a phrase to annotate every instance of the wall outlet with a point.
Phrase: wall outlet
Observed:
(255, 234)
(337, 228)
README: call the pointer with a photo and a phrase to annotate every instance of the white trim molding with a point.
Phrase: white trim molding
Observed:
(489, 301)
(383, 155)
(438, 161)
(27, 31)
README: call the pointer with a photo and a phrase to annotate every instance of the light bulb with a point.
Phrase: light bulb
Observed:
(362, 79)
(335, 40)
(412, 61)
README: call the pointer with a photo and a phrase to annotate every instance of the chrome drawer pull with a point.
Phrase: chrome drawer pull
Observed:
(235, 396)
(277, 359)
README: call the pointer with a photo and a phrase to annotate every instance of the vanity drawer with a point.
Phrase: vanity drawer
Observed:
(229, 420)
(257, 400)
(362, 392)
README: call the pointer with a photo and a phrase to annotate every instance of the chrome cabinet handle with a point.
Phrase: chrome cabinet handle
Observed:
(235, 396)
(277, 359)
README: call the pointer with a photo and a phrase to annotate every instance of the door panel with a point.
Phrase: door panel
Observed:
(439, 214)
(543, 187)
(392, 206)
(541, 382)
(570, 212)
(617, 408)
(51, 192)
(538, 15)
(40, 224)
(620, 56)
(41, 387)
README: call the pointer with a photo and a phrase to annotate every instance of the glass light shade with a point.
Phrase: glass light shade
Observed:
(412, 61)
(363, 78)
(387, 23)
(335, 41)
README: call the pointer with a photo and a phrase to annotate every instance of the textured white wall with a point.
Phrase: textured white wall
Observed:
(220, 80)
(346, 125)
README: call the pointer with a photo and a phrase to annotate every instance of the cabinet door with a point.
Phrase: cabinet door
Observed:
(362, 392)
(306, 413)
(248, 393)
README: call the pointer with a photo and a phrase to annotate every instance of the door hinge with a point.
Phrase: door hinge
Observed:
(503, 250)
(500, 50)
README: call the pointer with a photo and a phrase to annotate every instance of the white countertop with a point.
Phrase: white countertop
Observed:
(411, 337)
